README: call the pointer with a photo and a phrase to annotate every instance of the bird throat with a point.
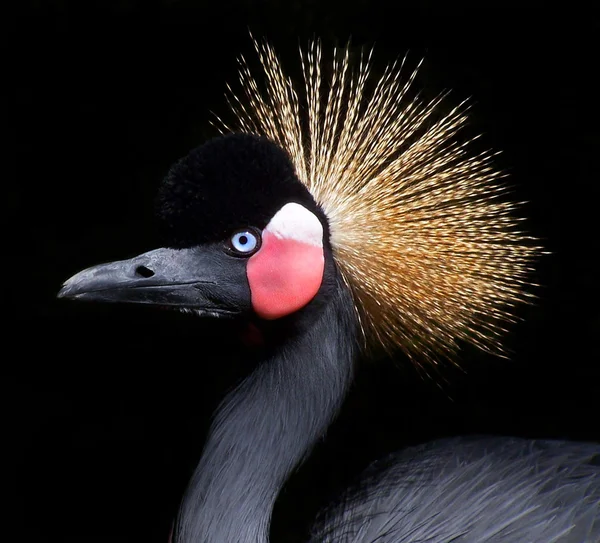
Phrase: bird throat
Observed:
(265, 428)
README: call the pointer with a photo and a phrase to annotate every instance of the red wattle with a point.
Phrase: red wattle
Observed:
(284, 275)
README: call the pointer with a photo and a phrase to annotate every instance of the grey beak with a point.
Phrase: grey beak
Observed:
(186, 278)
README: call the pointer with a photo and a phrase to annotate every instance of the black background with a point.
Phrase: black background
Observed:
(107, 407)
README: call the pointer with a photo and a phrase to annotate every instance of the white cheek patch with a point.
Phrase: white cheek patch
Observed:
(295, 222)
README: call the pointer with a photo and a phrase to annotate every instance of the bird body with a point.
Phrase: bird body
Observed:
(493, 489)
(352, 238)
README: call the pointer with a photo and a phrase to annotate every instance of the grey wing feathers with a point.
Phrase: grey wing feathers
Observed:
(497, 490)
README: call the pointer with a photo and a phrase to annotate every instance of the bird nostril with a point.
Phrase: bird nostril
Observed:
(144, 272)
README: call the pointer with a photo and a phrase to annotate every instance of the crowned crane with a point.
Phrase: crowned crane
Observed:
(362, 225)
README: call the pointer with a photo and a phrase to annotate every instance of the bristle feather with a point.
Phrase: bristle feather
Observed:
(430, 252)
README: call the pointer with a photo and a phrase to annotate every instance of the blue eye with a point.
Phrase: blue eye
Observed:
(245, 242)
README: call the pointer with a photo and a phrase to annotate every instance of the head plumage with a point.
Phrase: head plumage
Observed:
(419, 228)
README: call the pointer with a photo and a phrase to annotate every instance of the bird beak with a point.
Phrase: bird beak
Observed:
(197, 278)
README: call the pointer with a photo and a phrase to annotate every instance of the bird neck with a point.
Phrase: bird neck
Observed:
(266, 427)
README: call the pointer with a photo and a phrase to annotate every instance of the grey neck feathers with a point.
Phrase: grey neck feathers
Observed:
(265, 427)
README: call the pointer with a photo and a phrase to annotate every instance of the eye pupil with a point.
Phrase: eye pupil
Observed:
(243, 240)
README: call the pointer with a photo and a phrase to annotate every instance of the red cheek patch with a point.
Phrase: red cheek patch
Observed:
(284, 275)
(287, 272)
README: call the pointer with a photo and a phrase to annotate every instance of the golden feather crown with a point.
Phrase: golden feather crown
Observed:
(430, 250)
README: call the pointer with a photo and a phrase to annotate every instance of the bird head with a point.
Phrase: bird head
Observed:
(242, 237)
(327, 179)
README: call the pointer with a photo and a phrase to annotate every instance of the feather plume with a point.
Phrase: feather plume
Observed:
(420, 228)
